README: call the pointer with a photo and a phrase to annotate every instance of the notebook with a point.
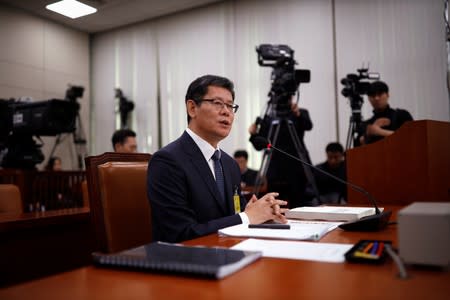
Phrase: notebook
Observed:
(179, 259)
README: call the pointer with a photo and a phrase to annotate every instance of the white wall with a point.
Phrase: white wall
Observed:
(39, 59)
(404, 40)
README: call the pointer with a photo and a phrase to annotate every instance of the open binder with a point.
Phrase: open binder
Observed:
(179, 259)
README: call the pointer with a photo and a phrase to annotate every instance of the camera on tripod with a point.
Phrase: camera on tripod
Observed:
(355, 85)
(23, 120)
(125, 107)
(285, 78)
(277, 124)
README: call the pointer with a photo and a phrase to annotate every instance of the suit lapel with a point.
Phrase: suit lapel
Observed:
(202, 168)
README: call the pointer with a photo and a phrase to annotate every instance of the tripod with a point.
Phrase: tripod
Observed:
(79, 140)
(273, 134)
(353, 129)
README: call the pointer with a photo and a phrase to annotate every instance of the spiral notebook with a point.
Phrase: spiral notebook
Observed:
(179, 259)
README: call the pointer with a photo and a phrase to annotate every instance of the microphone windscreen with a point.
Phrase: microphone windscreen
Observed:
(260, 142)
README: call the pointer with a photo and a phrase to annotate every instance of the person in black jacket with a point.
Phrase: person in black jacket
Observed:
(331, 190)
(284, 174)
(385, 120)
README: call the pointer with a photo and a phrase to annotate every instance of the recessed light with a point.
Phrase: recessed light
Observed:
(71, 8)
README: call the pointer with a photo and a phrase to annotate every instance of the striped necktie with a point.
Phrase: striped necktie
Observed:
(219, 174)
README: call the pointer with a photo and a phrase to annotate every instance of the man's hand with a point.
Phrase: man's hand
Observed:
(382, 122)
(265, 209)
(295, 109)
(252, 129)
(376, 127)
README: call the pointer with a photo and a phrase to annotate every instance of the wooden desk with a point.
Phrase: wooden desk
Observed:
(38, 244)
(267, 278)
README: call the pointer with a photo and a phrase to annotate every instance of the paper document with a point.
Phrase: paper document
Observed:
(300, 230)
(330, 213)
(325, 252)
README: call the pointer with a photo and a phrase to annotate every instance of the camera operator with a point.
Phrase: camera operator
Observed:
(283, 175)
(385, 120)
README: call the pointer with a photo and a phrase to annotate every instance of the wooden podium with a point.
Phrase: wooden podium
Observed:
(413, 164)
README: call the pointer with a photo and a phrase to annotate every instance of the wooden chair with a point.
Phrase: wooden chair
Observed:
(85, 193)
(120, 210)
(10, 199)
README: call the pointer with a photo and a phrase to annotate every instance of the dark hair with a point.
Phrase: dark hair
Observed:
(121, 135)
(241, 153)
(199, 88)
(334, 147)
(377, 88)
(51, 163)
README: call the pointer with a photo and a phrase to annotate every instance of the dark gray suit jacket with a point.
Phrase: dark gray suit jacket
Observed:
(183, 195)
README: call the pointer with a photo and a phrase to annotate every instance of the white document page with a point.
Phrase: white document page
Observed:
(324, 252)
(300, 230)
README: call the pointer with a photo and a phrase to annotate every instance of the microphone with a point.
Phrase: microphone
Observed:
(375, 222)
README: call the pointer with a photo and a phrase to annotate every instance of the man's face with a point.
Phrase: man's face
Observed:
(242, 162)
(334, 159)
(128, 146)
(212, 123)
(57, 165)
(379, 101)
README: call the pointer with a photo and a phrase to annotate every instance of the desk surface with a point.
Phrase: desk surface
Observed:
(268, 278)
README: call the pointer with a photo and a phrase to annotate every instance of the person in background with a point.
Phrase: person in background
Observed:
(124, 140)
(54, 164)
(331, 190)
(385, 120)
(248, 176)
(194, 186)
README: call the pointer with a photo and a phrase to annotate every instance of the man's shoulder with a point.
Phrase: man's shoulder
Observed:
(404, 114)
(402, 111)
(173, 148)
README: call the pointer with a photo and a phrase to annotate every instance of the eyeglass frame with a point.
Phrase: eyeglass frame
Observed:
(233, 108)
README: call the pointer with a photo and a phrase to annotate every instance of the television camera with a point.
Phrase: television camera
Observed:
(23, 120)
(285, 78)
(356, 85)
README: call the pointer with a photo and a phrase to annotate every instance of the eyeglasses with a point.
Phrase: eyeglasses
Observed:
(219, 105)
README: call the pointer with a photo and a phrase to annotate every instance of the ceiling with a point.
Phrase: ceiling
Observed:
(110, 13)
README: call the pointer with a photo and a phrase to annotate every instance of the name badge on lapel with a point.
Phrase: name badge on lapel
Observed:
(237, 201)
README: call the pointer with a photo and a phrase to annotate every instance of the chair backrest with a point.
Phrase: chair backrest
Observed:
(85, 193)
(119, 206)
(10, 199)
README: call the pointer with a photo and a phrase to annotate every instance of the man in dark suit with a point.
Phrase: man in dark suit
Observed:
(194, 186)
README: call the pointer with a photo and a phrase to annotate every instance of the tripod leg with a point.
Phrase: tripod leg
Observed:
(274, 130)
(262, 171)
(302, 155)
(79, 141)
(57, 142)
(350, 133)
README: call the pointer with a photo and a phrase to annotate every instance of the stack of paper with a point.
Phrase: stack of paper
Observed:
(330, 213)
(325, 252)
(300, 230)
